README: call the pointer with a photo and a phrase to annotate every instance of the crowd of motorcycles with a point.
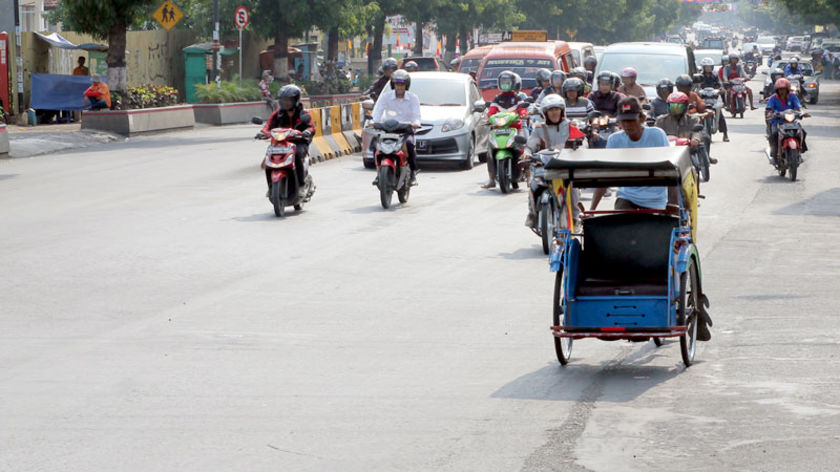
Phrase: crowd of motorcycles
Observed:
(507, 142)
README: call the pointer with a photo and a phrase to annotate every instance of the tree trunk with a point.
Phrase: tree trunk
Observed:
(116, 58)
(332, 44)
(281, 54)
(375, 56)
(463, 39)
(451, 38)
(418, 38)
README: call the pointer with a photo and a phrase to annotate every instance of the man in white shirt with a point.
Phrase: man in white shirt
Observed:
(401, 105)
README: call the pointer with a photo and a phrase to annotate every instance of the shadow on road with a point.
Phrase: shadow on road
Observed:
(268, 216)
(826, 203)
(533, 252)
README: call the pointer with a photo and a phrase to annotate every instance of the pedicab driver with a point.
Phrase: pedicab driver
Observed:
(635, 135)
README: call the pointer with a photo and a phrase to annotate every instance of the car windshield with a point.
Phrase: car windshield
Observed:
(765, 40)
(424, 63)
(651, 68)
(576, 55)
(526, 68)
(713, 44)
(700, 55)
(440, 92)
(469, 65)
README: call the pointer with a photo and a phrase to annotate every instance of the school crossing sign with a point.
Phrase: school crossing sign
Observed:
(168, 15)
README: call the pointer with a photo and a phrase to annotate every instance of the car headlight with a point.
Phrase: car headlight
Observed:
(812, 85)
(452, 124)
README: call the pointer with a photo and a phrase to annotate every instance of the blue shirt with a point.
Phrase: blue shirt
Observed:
(791, 71)
(775, 104)
(647, 197)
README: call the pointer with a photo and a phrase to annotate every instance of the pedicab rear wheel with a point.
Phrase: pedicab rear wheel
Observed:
(562, 346)
(688, 309)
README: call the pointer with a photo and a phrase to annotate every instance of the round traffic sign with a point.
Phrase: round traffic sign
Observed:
(241, 17)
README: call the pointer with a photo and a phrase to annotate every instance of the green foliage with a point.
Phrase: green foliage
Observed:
(229, 92)
(328, 87)
(98, 17)
(144, 96)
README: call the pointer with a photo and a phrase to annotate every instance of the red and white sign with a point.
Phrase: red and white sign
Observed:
(241, 17)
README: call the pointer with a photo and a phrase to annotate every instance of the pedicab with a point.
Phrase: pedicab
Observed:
(627, 274)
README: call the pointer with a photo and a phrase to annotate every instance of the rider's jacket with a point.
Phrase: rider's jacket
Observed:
(406, 109)
(660, 106)
(775, 104)
(280, 119)
(606, 103)
(549, 136)
(376, 88)
(547, 91)
(680, 127)
(710, 80)
(730, 73)
(507, 101)
(535, 93)
(792, 71)
(580, 109)
(635, 90)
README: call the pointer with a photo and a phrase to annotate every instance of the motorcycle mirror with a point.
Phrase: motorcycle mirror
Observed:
(646, 107)
(479, 106)
(697, 78)
(519, 139)
(257, 120)
(593, 114)
(455, 62)
(530, 100)
(697, 128)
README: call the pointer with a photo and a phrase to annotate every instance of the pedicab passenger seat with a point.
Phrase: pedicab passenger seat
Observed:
(626, 254)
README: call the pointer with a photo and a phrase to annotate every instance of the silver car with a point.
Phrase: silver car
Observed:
(453, 120)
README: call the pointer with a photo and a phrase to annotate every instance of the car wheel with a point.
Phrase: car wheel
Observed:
(469, 163)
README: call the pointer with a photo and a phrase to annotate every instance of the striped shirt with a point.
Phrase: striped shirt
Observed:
(579, 109)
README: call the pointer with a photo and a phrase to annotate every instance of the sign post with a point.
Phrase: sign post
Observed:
(241, 18)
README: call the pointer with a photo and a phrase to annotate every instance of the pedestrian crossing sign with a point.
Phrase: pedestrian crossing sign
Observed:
(168, 15)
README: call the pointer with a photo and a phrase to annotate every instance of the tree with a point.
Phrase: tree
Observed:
(281, 20)
(105, 19)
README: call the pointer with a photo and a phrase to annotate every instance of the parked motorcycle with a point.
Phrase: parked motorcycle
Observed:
(280, 160)
(737, 96)
(789, 146)
(392, 160)
(504, 144)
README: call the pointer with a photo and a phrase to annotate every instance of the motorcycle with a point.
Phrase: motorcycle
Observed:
(737, 96)
(280, 160)
(504, 144)
(604, 125)
(750, 68)
(796, 86)
(699, 155)
(711, 97)
(392, 160)
(789, 145)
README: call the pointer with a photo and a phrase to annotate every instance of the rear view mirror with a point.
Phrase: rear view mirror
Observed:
(257, 120)
(530, 100)
(455, 62)
(479, 106)
(697, 78)
(697, 128)
(520, 139)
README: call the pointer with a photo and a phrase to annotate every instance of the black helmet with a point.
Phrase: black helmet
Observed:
(616, 80)
(411, 66)
(557, 75)
(390, 64)
(578, 72)
(543, 75)
(775, 74)
(664, 88)
(605, 76)
(574, 84)
(517, 82)
(684, 83)
(589, 76)
(401, 76)
(289, 97)
(590, 61)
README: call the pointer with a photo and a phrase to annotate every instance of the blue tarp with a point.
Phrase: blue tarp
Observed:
(59, 92)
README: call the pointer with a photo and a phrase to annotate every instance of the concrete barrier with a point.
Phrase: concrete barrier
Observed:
(318, 140)
(326, 131)
(4, 141)
(347, 127)
(134, 122)
(219, 114)
(335, 123)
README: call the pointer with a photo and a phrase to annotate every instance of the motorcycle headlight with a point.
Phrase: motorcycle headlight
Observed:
(452, 125)
(499, 121)
(388, 147)
(602, 121)
(278, 135)
(789, 117)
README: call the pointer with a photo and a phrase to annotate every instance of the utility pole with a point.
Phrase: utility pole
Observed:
(18, 59)
(216, 47)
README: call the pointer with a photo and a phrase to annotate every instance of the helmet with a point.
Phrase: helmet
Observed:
(574, 84)
(517, 82)
(794, 60)
(664, 87)
(400, 76)
(707, 61)
(590, 61)
(605, 76)
(589, 76)
(724, 59)
(550, 101)
(578, 72)
(289, 97)
(543, 75)
(678, 97)
(411, 66)
(506, 81)
(628, 72)
(776, 73)
(782, 83)
(616, 80)
(684, 83)
(557, 78)
(734, 56)
(390, 64)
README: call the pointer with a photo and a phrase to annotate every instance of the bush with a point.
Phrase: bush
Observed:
(229, 92)
(145, 96)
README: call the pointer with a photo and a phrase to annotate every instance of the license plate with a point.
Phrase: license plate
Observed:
(422, 145)
(279, 149)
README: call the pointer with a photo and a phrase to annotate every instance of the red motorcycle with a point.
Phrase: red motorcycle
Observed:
(789, 146)
(392, 160)
(280, 161)
(737, 96)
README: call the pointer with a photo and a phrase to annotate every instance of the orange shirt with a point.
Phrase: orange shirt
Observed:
(99, 90)
(81, 70)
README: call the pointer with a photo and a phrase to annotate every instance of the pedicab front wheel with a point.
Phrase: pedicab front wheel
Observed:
(562, 346)
(689, 304)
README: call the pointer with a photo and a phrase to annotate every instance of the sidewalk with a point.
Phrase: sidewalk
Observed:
(27, 141)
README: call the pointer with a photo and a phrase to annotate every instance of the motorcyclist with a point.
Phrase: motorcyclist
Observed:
(769, 89)
(733, 70)
(684, 84)
(290, 114)
(411, 66)
(629, 86)
(577, 106)
(659, 104)
(555, 85)
(552, 134)
(710, 80)
(582, 74)
(604, 100)
(510, 84)
(793, 67)
(678, 122)
(753, 54)
(590, 63)
(388, 67)
(543, 78)
(724, 61)
(783, 99)
(406, 107)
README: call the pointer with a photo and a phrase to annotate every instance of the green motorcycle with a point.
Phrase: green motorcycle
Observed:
(503, 143)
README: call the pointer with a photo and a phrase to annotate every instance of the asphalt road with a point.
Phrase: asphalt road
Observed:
(154, 315)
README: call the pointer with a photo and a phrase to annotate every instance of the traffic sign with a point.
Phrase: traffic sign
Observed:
(168, 15)
(241, 17)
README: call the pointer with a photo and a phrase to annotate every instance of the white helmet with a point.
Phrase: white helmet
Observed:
(707, 61)
(552, 101)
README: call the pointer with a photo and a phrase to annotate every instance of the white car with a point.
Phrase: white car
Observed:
(766, 43)
(794, 43)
